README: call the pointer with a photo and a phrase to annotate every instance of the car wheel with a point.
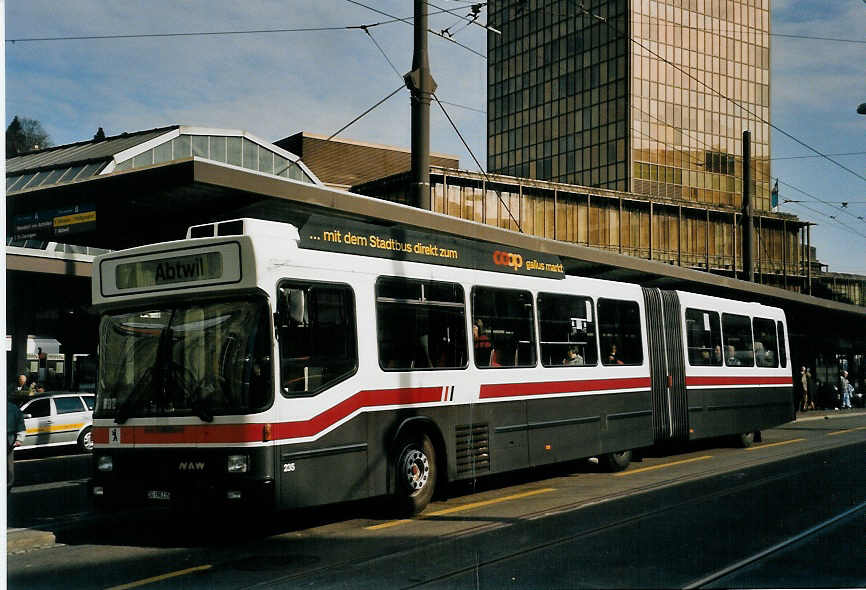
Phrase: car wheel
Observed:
(85, 440)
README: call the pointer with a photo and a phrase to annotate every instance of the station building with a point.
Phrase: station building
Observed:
(149, 186)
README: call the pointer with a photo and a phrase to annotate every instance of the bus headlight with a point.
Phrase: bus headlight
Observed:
(105, 463)
(238, 463)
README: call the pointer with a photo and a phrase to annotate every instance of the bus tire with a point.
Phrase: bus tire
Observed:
(614, 462)
(85, 440)
(745, 440)
(415, 474)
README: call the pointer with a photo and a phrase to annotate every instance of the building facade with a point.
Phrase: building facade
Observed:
(643, 96)
(680, 232)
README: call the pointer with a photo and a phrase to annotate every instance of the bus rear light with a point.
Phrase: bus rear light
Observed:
(266, 432)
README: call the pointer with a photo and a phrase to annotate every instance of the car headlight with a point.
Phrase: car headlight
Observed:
(105, 463)
(238, 463)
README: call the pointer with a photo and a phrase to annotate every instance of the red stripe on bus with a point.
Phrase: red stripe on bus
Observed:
(362, 399)
(238, 433)
(726, 380)
(550, 387)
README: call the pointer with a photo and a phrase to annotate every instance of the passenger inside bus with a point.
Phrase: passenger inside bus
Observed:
(572, 358)
(483, 345)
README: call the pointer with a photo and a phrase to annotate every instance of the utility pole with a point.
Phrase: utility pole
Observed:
(748, 229)
(422, 86)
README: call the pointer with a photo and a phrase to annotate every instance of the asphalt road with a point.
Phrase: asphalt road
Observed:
(787, 513)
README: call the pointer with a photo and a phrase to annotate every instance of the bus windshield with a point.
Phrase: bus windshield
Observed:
(199, 360)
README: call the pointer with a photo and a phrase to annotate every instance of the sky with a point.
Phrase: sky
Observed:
(276, 84)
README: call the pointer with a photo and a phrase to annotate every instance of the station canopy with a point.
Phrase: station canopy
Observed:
(83, 160)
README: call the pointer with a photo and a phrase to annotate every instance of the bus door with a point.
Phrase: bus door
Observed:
(667, 368)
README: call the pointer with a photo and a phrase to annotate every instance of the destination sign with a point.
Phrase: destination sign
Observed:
(180, 269)
(353, 237)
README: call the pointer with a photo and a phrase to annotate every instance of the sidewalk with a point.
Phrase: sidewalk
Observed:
(828, 414)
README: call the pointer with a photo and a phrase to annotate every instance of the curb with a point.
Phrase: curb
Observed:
(827, 415)
(21, 540)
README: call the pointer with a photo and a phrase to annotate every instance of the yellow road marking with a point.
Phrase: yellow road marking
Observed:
(462, 508)
(167, 576)
(778, 444)
(844, 431)
(662, 466)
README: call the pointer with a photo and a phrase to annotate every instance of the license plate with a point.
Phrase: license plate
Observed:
(158, 495)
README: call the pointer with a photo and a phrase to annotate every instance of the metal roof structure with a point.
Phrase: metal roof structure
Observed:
(80, 161)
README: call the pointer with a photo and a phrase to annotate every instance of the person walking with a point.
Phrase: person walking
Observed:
(15, 432)
(810, 390)
(803, 391)
(845, 390)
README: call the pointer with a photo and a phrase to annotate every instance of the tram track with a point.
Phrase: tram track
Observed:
(529, 518)
(770, 551)
(588, 533)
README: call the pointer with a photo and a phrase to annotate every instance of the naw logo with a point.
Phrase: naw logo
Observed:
(500, 258)
(191, 466)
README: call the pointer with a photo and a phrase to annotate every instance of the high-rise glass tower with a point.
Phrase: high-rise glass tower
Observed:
(645, 96)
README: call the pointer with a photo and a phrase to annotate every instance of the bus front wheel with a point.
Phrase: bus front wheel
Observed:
(415, 474)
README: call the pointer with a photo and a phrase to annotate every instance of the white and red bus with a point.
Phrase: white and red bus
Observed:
(255, 362)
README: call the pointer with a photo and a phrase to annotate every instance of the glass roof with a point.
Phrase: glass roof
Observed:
(80, 161)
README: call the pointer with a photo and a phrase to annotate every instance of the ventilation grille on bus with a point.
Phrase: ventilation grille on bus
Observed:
(473, 448)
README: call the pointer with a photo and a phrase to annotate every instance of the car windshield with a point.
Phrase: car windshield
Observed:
(201, 359)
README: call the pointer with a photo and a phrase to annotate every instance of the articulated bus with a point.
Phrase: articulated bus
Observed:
(259, 363)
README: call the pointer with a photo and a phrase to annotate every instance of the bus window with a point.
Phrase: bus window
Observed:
(703, 338)
(783, 355)
(619, 332)
(502, 328)
(317, 336)
(421, 324)
(738, 340)
(766, 351)
(566, 326)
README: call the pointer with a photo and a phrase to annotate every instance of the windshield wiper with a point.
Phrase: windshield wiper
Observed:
(124, 410)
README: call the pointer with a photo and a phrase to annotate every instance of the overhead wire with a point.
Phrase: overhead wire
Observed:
(480, 168)
(408, 21)
(359, 117)
(453, 125)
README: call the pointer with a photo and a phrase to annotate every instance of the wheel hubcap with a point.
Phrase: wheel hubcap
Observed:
(416, 468)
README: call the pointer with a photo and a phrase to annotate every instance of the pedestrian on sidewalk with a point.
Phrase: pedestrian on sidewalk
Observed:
(15, 432)
(845, 389)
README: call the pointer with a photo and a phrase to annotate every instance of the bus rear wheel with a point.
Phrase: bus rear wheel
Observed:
(415, 474)
(614, 462)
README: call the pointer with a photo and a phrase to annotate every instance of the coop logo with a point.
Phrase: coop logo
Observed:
(500, 258)
(190, 466)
